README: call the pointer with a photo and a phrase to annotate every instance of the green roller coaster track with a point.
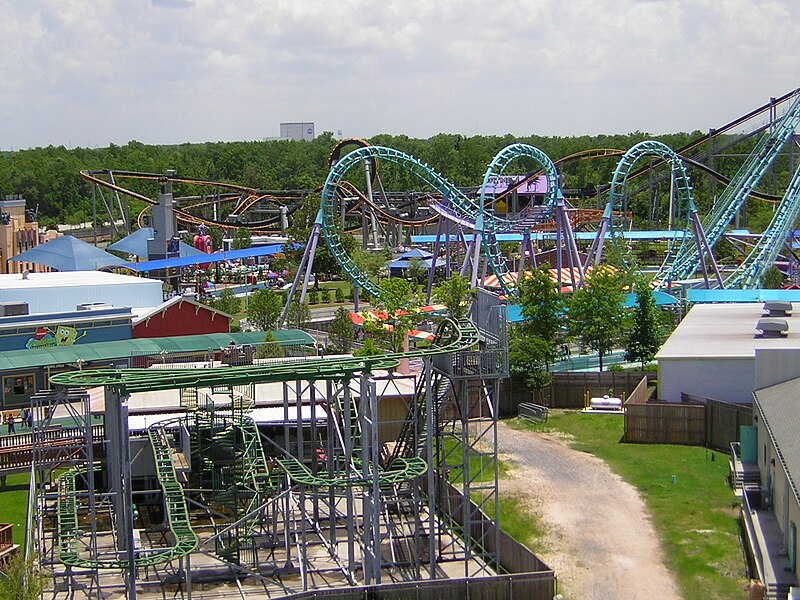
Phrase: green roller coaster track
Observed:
(453, 336)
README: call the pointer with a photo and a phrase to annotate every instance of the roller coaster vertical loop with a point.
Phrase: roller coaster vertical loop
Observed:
(459, 204)
(492, 224)
(683, 188)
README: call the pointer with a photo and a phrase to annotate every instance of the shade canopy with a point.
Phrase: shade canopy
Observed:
(68, 253)
(136, 244)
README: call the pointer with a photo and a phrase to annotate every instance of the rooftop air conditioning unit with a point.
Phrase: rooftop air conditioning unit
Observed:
(778, 308)
(94, 306)
(13, 309)
(772, 328)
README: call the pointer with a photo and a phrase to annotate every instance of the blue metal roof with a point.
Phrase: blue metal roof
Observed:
(712, 296)
(188, 261)
(68, 253)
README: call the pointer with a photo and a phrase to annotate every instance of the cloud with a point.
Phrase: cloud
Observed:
(178, 70)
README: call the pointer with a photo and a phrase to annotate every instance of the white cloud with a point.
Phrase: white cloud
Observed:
(90, 73)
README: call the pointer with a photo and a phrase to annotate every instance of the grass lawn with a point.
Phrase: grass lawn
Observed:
(686, 492)
(14, 505)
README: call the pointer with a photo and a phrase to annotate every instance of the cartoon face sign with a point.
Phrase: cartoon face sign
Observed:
(62, 335)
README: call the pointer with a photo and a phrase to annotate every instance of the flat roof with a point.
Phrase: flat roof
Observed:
(14, 281)
(726, 331)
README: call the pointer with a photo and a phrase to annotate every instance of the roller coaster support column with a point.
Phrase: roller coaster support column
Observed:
(473, 254)
(119, 466)
(526, 246)
(703, 246)
(371, 215)
(565, 239)
(436, 247)
(371, 495)
(306, 264)
(596, 250)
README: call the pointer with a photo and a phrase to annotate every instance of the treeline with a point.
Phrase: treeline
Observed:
(49, 177)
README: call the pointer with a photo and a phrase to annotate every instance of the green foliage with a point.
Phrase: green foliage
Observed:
(270, 347)
(21, 579)
(542, 309)
(646, 334)
(313, 296)
(773, 279)
(596, 314)
(416, 270)
(325, 294)
(455, 294)
(368, 348)
(341, 331)
(528, 358)
(298, 315)
(227, 302)
(338, 295)
(398, 299)
(264, 309)
(241, 239)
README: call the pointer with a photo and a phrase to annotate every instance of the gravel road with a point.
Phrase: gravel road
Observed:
(600, 540)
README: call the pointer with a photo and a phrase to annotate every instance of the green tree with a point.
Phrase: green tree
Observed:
(772, 279)
(264, 309)
(646, 334)
(455, 294)
(527, 359)
(596, 313)
(416, 270)
(398, 298)
(241, 239)
(270, 347)
(21, 579)
(368, 348)
(227, 302)
(542, 310)
(298, 315)
(341, 330)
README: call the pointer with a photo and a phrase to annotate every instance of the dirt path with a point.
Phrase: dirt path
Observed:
(600, 541)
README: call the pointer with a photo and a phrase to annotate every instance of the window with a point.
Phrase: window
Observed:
(17, 389)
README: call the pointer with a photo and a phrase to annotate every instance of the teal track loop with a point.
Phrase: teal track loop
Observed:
(492, 225)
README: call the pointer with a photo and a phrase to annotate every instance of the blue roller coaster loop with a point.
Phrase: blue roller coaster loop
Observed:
(683, 190)
(457, 202)
(491, 223)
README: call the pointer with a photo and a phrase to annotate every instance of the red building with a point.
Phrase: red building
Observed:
(180, 316)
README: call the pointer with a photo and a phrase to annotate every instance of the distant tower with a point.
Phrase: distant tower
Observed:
(297, 131)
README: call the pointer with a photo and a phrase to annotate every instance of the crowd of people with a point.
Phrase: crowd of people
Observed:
(24, 418)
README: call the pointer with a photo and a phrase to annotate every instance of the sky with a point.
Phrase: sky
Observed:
(94, 72)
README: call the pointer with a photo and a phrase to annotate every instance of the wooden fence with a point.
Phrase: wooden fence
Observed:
(663, 423)
(696, 422)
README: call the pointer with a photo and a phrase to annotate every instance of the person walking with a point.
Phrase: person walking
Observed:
(11, 421)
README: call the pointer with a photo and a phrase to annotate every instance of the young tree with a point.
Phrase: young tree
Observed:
(528, 359)
(298, 314)
(341, 330)
(596, 313)
(455, 294)
(21, 579)
(270, 347)
(227, 302)
(398, 299)
(646, 333)
(772, 279)
(542, 309)
(264, 309)
(241, 239)
(368, 348)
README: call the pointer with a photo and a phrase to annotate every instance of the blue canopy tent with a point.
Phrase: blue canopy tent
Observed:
(425, 258)
(136, 244)
(68, 253)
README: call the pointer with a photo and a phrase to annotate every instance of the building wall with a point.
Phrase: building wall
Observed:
(182, 318)
(297, 131)
(773, 478)
(64, 329)
(728, 379)
(17, 236)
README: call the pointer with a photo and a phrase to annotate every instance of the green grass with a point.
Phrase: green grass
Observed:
(685, 489)
(14, 505)
(521, 523)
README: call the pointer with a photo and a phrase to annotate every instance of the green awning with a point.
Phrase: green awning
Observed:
(108, 351)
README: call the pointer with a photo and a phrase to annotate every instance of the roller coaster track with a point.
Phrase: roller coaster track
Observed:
(493, 225)
(742, 186)
(683, 188)
(749, 273)
(185, 539)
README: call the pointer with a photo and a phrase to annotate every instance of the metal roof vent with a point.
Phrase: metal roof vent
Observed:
(772, 328)
(778, 308)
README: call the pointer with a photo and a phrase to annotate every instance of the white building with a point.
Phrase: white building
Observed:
(712, 353)
(297, 131)
(65, 291)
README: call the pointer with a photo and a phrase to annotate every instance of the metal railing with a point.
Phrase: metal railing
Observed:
(535, 412)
